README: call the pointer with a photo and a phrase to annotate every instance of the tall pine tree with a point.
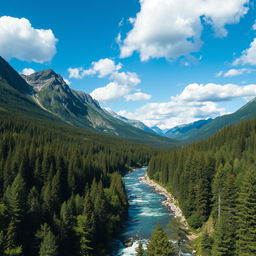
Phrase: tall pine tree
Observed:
(159, 244)
(246, 233)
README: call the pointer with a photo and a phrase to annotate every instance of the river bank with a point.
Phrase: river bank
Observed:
(171, 203)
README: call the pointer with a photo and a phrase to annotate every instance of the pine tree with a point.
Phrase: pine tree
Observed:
(66, 229)
(48, 246)
(81, 230)
(47, 241)
(246, 233)
(15, 199)
(11, 246)
(206, 244)
(225, 233)
(159, 244)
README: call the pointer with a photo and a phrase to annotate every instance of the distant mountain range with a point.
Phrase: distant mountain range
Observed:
(178, 132)
(200, 129)
(132, 122)
(246, 112)
(45, 95)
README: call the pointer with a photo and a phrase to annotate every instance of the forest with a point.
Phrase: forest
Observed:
(61, 191)
(216, 179)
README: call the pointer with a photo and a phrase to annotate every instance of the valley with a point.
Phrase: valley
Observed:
(128, 128)
(71, 177)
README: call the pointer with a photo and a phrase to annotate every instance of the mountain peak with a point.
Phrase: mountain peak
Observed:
(47, 73)
(44, 78)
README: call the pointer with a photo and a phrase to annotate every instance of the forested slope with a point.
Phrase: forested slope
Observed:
(61, 191)
(50, 99)
(216, 177)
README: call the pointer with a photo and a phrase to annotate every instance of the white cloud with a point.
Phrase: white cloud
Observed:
(20, 40)
(102, 68)
(193, 103)
(168, 114)
(27, 71)
(214, 92)
(235, 72)
(129, 79)
(110, 92)
(248, 56)
(75, 73)
(122, 84)
(171, 28)
(137, 96)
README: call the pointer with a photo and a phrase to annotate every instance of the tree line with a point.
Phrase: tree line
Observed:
(216, 178)
(61, 190)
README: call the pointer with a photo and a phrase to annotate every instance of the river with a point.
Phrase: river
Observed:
(145, 211)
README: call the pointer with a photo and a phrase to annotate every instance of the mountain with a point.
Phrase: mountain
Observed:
(132, 122)
(158, 131)
(81, 110)
(16, 96)
(179, 132)
(7, 73)
(44, 95)
(246, 112)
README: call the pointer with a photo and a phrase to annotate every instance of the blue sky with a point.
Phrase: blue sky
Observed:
(163, 67)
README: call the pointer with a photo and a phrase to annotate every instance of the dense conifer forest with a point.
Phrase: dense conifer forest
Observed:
(216, 178)
(61, 191)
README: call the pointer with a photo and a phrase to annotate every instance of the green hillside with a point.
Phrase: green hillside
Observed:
(56, 102)
(245, 113)
(216, 179)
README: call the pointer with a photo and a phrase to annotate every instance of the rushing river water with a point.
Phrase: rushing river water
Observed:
(145, 211)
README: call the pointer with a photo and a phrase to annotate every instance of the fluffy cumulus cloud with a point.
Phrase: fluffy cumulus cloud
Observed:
(248, 56)
(111, 92)
(102, 68)
(121, 85)
(171, 28)
(193, 103)
(168, 114)
(20, 40)
(27, 71)
(235, 72)
(138, 96)
(214, 92)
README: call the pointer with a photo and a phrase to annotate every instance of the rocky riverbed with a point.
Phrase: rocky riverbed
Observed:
(171, 203)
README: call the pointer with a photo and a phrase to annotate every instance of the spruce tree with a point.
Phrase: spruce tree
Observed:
(225, 233)
(48, 246)
(246, 233)
(83, 235)
(11, 246)
(159, 244)
(206, 244)
(46, 242)
(15, 199)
